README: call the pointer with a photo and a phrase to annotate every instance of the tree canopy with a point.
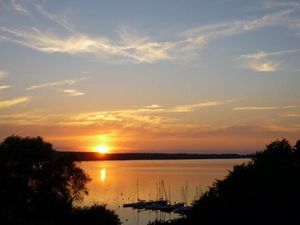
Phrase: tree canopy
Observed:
(35, 182)
(264, 191)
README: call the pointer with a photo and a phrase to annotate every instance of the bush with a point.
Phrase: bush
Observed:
(94, 215)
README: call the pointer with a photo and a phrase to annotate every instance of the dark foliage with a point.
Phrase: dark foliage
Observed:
(94, 215)
(37, 185)
(265, 191)
(261, 192)
(179, 221)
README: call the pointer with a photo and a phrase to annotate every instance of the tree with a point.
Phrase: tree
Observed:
(36, 183)
(264, 191)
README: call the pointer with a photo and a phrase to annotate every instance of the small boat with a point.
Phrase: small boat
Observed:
(161, 204)
(138, 204)
(156, 205)
(171, 207)
(183, 210)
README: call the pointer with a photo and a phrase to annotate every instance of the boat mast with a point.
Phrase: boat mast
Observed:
(137, 189)
(169, 194)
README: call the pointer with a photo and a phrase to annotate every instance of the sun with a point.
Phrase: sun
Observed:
(102, 149)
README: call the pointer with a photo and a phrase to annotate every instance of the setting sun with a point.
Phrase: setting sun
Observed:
(102, 149)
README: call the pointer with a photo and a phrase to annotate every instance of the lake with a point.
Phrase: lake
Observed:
(117, 182)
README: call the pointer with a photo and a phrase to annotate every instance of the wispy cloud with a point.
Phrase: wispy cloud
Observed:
(262, 54)
(151, 115)
(291, 114)
(204, 104)
(56, 83)
(262, 108)
(136, 48)
(156, 124)
(73, 93)
(261, 62)
(257, 108)
(55, 18)
(230, 28)
(18, 7)
(12, 102)
(279, 4)
(2, 87)
(32, 118)
(3, 74)
(266, 66)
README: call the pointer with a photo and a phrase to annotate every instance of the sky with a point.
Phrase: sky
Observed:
(151, 76)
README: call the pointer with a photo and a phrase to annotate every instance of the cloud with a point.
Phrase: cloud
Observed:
(2, 87)
(129, 48)
(290, 107)
(13, 102)
(291, 114)
(150, 115)
(56, 83)
(260, 61)
(19, 8)
(279, 4)
(50, 43)
(138, 50)
(155, 123)
(132, 47)
(204, 104)
(262, 108)
(183, 134)
(154, 106)
(268, 66)
(262, 54)
(127, 117)
(73, 93)
(256, 108)
(230, 28)
(3, 74)
(57, 19)
(31, 118)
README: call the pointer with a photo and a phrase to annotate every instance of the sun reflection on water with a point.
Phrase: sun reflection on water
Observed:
(103, 175)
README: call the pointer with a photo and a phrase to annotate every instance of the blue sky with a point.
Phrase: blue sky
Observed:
(204, 76)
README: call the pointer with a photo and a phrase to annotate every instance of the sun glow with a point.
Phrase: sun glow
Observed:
(101, 144)
(102, 149)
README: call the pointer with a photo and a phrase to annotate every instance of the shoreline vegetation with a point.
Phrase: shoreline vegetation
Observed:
(263, 191)
(41, 186)
(95, 156)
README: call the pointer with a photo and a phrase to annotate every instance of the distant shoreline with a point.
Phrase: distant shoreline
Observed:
(94, 156)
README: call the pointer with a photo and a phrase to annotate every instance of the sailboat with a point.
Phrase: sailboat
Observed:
(161, 198)
(151, 204)
(162, 203)
(140, 204)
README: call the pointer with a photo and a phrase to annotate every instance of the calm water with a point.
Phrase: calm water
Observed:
(115, 183)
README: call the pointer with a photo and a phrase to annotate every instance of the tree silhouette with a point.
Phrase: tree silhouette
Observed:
(36, 183)
(94, 215)
(264, 191)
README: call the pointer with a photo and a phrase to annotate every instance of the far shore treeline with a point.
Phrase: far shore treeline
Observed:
(95, 156)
